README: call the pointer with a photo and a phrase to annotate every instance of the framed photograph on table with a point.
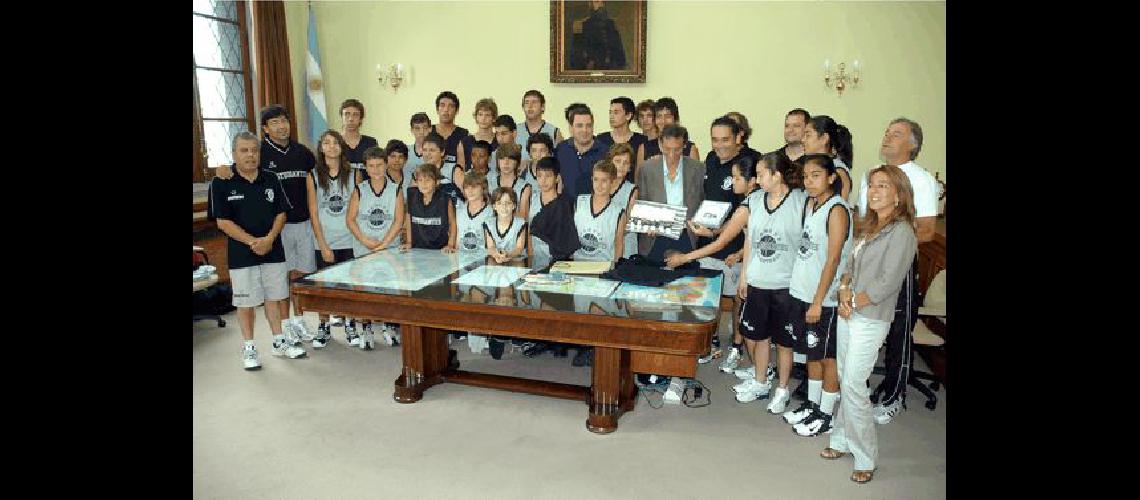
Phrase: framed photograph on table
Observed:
(597, 41)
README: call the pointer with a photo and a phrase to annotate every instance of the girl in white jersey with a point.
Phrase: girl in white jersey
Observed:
(329, 188)
(375, 213)
(624, 192)
(509, 156)
(825, 245)
(768, 309)
(506, 234)
(823, 135)
(470, 215)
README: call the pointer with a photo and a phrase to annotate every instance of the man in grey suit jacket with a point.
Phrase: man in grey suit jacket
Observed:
(652, 175)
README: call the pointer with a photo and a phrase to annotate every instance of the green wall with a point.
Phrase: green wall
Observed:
(759, 58)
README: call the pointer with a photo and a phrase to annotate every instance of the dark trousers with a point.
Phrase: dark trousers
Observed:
(900, 341)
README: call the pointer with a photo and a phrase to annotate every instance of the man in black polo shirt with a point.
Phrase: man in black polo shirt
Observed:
(250, 208)
(292, 162)
(726, 149)
(446, 106)
(578, 155)
(794, 123)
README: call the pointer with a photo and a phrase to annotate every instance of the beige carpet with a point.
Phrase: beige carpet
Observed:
(327, 427)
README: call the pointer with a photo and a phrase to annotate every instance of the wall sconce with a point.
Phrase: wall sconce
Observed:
(841, 77)
(395, 74)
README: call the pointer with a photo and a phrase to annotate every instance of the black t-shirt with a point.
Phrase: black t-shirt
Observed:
(635, 141)
(430, 223)
(292, 165)
(469, 144)
(356, 155)
(746, 150)
(451, 148)
(252, 206)
(653, 148)
(718, 187)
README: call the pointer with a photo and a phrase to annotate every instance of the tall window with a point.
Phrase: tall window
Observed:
(223, 89)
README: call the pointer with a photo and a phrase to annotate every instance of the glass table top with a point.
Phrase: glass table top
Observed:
(473, 277)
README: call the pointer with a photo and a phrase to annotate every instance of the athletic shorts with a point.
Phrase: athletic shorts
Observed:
(816, 340)
(764, 315)
(338, 257)
(254, 285)
(731, 274)
(297, 238)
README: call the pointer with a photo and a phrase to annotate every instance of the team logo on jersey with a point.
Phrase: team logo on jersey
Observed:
(726, 184)
(470, 240)
(234, 196)
(591, 242)
(768, 246)
(269, 195)
(807, 246)
(336, 204)
(377, 218)
(271, 165)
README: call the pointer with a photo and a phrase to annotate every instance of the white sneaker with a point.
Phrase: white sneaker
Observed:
(797, 415)
(367, 338)
(302, 329)
(288, 350)
(390, 336)
(249, 358)
(730, 362)
(350, 336)
(754, 390)
(323, 337)
(779, 401)
(336, 321)
(675, 390)
(290, 330)
(771, 373)
(813, 425)
(885, 413)
(745, 373)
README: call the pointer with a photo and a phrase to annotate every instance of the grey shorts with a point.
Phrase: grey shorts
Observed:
(254, 285)
(297, 238)
(731, 274)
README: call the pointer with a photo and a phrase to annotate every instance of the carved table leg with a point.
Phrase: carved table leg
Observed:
(612, 392)
(424, 360)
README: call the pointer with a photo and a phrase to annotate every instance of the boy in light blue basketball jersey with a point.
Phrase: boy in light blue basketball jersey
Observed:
(375, 213)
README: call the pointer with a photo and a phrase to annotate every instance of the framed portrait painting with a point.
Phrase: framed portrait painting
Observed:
(597, 41)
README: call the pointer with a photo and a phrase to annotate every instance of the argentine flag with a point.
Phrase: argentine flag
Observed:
(315, 86)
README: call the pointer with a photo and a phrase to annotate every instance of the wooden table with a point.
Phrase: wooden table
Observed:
(627, 338)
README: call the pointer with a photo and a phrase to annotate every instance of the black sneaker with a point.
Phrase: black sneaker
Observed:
(799, 414)
(585, 357)
(532, 349)
(496, 347)
(815, 424)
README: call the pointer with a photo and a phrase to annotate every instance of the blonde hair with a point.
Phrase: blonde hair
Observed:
(869, 224)
(488, 104)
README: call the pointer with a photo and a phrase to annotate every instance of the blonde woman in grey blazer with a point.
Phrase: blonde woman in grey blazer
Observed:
(868, 290)
(650, 179)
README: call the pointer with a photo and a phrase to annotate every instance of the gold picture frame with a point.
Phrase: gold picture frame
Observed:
(597, 41)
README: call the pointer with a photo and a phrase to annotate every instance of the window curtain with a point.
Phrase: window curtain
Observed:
(275, 80)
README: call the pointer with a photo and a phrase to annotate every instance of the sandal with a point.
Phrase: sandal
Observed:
(831, 454)
(862, 476)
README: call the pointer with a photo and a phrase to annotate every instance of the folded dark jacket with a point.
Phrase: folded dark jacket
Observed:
(639, 270)
(555, 226)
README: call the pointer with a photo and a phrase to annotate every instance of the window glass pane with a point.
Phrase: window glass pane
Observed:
(219, 136)
(216, 44)
(216, 8)
(221, 94)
